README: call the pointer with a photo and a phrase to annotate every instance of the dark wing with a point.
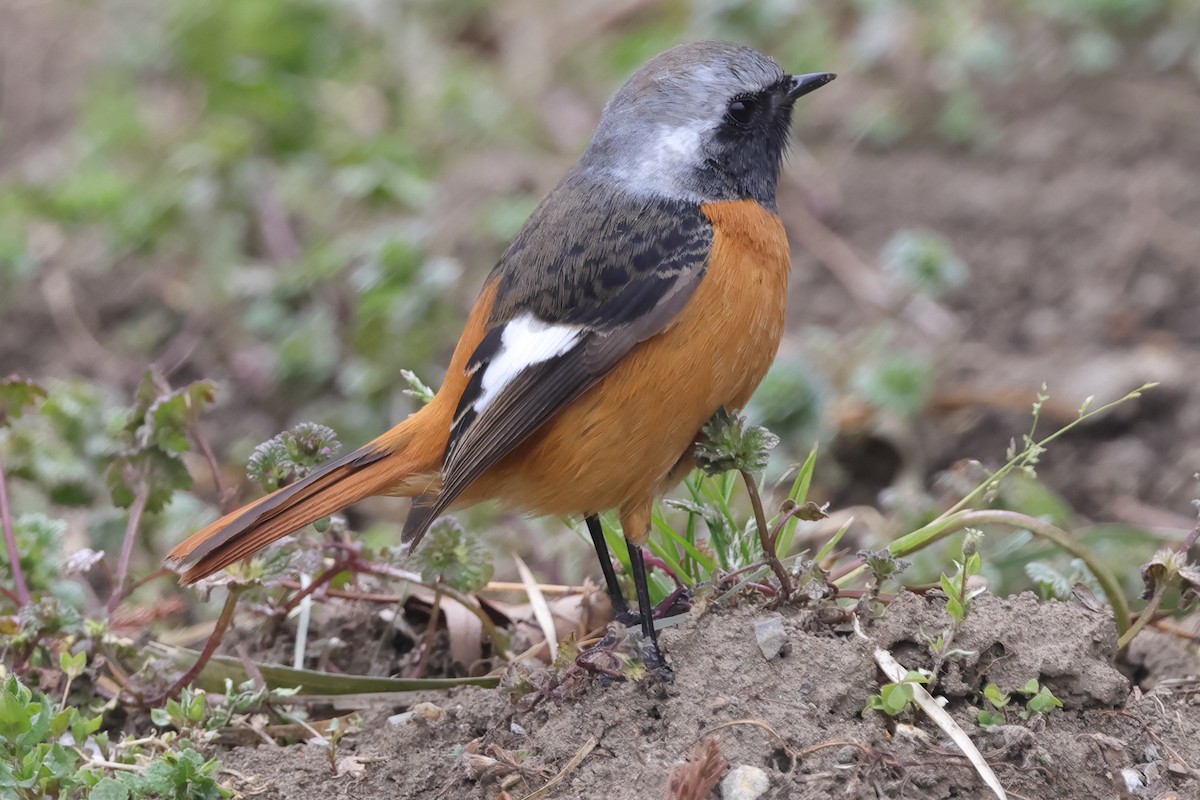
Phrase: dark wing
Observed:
(592, 274)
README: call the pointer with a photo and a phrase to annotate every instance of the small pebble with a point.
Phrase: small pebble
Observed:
(847, 755)
(1133, 781)
(429, 712)
(770, 635)
(718, 703)
(403, 718)
(744, 783)
(517, 728)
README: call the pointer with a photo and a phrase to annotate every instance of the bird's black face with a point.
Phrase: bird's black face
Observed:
(746, 150)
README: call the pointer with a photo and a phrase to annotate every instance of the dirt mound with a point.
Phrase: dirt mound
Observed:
(798, 717)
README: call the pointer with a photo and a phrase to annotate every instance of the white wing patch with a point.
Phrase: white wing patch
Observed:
(526, 341)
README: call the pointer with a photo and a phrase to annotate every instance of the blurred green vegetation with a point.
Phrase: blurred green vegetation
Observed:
(296, 198)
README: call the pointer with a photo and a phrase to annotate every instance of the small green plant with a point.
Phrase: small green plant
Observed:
(958, 592)
(183, 773)
(1041, 702)
(185, 714)
(453, 557)
(924, 262)
(34, 762)
(291, 455)
(1166, 569)
(895, 382)
(895, 699)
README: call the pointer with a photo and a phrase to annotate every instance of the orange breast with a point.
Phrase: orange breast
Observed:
(617, 444)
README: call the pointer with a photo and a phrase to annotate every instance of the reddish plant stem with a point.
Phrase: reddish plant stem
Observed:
(131, 529)
(342, 594)
(225, 497)
(659, 564)
(764, 536)
(140, 582)
(12, 598)
(210, 647)
(325, 577)
(1191, 538)
(21, 597)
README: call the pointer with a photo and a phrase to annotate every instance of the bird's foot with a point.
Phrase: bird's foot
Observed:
(623, 654)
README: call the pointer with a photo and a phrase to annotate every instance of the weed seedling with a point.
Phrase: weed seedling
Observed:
(896, 698)
(1041, 702)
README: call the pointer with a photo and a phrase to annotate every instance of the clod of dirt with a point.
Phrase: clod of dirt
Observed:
(1008, 641)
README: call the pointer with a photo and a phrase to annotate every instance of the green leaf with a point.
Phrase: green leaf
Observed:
(896, 697)
(161, 473)
(1050, 582)
(15, 712)
(195, 710)
(72, 665)
(955, 609)
(109, 789)
(1030, 687)
(993, 694)
(17, 392)
(1043, 702)
(82, 727)
(220, 668)
(986, 719)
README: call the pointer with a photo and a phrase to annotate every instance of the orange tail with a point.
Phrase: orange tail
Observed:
(402, 462)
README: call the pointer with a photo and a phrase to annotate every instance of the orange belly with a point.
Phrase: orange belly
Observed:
(617, 445)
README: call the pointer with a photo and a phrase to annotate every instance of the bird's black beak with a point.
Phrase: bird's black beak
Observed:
(803, 84)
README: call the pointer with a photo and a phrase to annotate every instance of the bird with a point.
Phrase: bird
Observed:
(645, 292)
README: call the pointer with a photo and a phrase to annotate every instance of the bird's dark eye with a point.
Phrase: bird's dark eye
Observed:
(740, 110)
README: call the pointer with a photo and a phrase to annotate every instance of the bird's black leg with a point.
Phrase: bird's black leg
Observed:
(619, 606)
(653, 659)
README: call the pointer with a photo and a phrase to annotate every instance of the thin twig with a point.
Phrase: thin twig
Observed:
(226, 499)
(764, 536)
(575, 761)
(325, 577)
(210, 647)
(135, 520)
(21, 597)
(142, 581)
(435, 612)
(1145, 615)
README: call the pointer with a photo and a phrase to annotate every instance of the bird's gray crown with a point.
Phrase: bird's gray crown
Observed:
(661, 125)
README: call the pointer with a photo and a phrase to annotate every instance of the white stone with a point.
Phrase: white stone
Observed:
(744, 783)
(771, 636)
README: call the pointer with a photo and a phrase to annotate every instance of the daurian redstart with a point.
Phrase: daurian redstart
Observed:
(645, 292)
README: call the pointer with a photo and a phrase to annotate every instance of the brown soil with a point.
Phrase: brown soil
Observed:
(799, 717)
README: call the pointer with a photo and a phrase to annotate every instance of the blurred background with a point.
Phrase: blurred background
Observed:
(297, 199)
